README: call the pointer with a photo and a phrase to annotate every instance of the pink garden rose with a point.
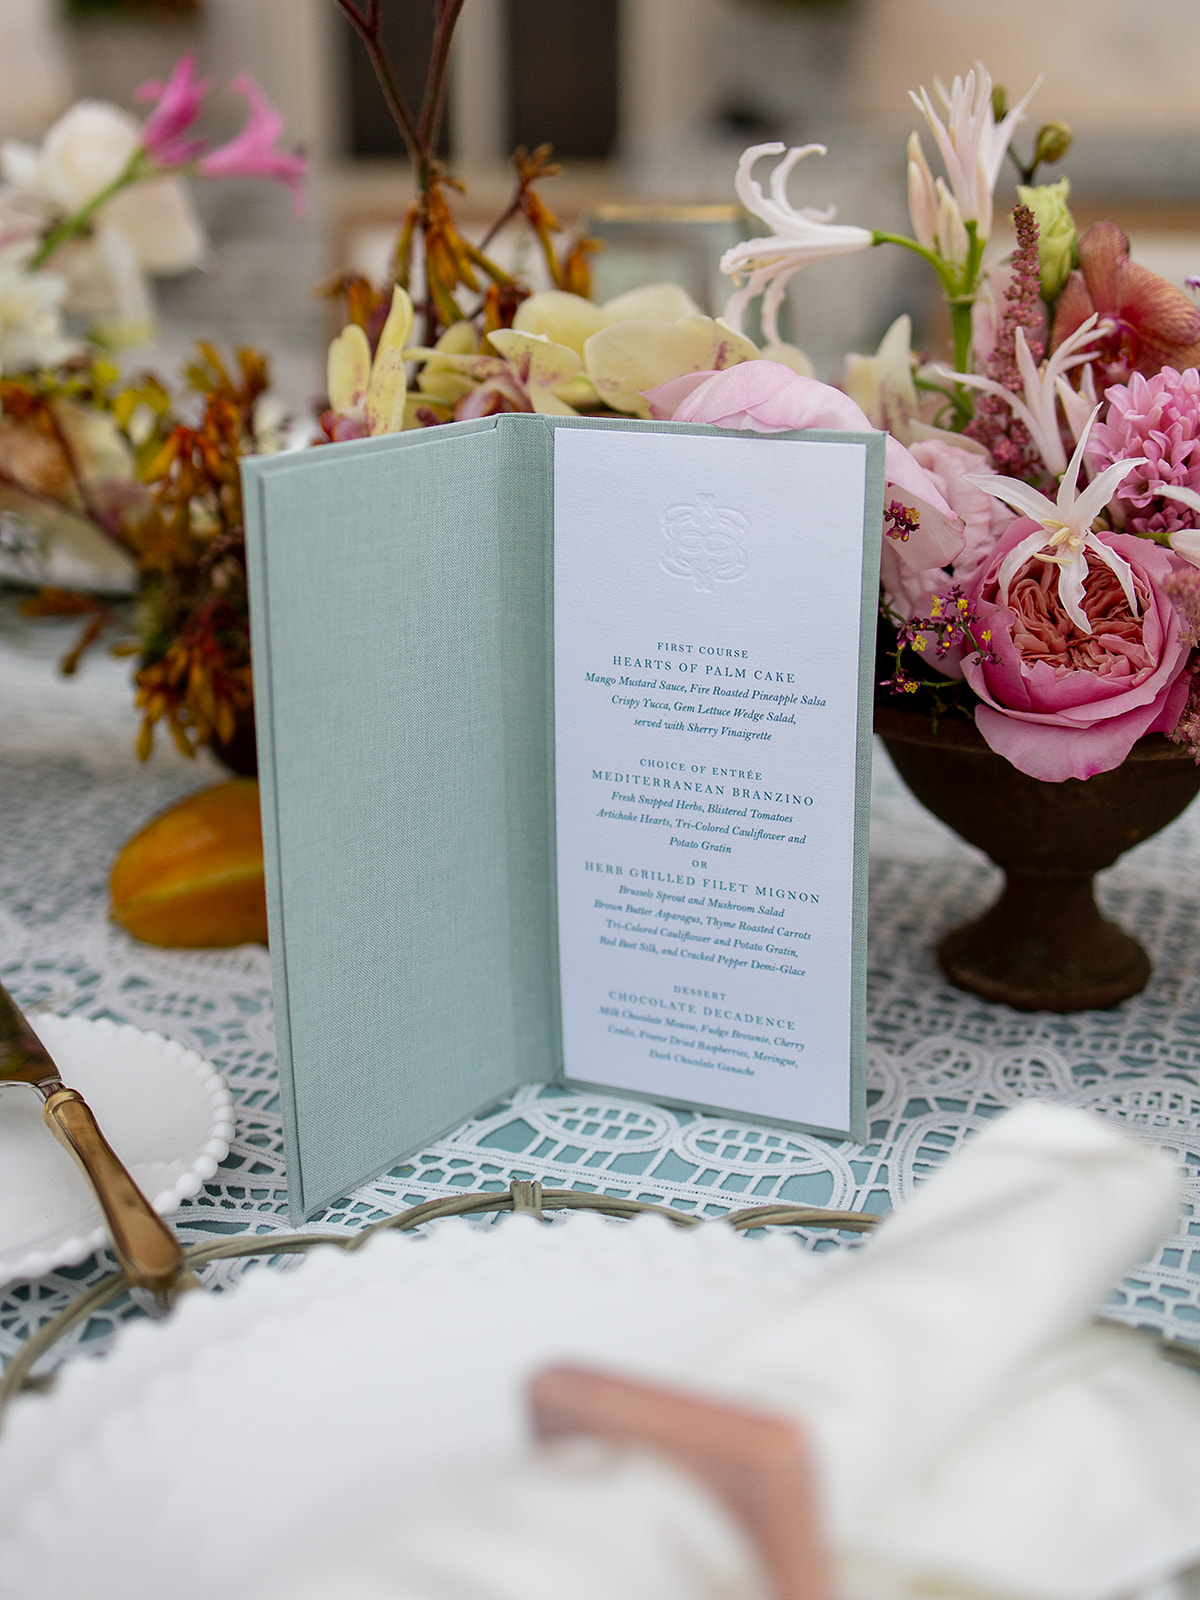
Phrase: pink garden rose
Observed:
(1060, 703)
(984, 519)
(922, 530)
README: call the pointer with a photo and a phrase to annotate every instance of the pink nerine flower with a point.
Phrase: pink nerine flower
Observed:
(252, 153)
(921, 529)
(1157, 418)
(178, 105)
(1061, 702)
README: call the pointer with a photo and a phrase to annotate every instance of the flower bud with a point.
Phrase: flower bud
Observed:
(1054, 139)
(1056, 232)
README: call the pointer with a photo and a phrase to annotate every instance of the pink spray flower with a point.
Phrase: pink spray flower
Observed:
(253, 153)
(178, 105)
(1158, 419)
(922, 530)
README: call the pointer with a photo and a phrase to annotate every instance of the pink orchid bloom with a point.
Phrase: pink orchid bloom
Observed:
(766, 397)
(178, 105)
(252, 154)
(1145, 322)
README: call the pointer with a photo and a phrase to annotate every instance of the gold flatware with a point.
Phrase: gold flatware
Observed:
(147, 1249)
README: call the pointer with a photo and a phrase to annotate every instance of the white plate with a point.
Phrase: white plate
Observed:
(165, 1111)
(256, 1424)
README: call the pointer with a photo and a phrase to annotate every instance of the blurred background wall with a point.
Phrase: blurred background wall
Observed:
(648, 103)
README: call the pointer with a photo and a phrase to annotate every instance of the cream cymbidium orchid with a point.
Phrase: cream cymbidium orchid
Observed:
(767, 265)
(633, 343)
(972, 144)
(1045, 388)
(1065, 537)
(563, 353)
(884, 386)
(367, 396)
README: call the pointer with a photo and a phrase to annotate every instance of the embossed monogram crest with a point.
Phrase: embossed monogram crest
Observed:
(704, 543)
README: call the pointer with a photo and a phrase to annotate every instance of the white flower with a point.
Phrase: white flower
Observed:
(150, 227)
(936, 217)
(1044, 387)
(972, 144)
(1065, 537)
(798, 237)
(30, 315)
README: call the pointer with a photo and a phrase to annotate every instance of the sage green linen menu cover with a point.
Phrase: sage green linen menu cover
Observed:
(403, 636)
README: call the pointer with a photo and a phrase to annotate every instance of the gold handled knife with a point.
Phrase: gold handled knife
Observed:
(146, 1248)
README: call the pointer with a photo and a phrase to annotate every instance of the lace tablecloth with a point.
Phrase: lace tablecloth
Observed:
(940, 1063)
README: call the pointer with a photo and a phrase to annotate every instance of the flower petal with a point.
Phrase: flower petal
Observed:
(627, 359)
(539, 364)
(1022, 497)
(665, 399)
(388, 384)
(349, 369)
(653, 302)
(567, 319)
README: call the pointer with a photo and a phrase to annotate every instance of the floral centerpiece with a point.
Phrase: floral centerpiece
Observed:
(1039, 587)
(1040, 599)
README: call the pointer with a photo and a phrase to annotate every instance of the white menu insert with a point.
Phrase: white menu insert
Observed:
(708, 602)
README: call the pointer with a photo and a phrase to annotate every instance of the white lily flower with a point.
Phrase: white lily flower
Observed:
(971, 141)
(1065, 537)
(1042, 392)
(767, 265)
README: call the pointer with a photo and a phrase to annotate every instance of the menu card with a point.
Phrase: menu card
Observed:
(564, 748)
(706, 600)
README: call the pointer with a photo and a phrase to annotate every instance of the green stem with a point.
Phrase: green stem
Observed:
(71, 227)
(960, 323)
(962, 301)
(952, 397)
(944, 272)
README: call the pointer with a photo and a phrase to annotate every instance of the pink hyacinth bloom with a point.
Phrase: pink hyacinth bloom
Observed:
(1059, 702)
(252, 154)
(921, 529)
(1157, 418)
(178, 105)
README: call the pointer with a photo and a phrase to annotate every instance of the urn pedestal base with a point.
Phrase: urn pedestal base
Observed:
(1043, 945)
